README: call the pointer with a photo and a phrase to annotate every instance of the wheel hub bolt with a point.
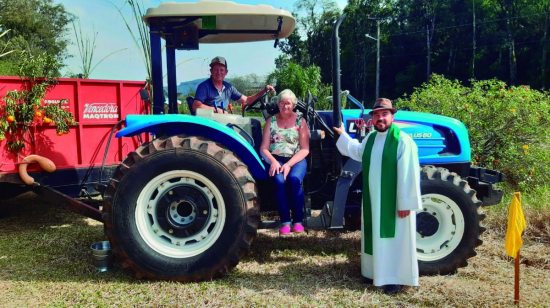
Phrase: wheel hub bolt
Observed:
(204, 212)
(170, 231)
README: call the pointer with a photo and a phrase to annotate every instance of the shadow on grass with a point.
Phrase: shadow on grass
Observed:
(301, 264)
(42, 242)
(301, 279)
(314, 243)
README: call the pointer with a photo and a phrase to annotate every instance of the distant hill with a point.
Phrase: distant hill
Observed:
(187, 87)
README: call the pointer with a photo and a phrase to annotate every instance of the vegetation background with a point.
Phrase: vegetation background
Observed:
(506, 40)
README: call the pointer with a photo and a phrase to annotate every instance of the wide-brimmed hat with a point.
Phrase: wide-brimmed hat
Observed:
(218, 60)
(383, 103)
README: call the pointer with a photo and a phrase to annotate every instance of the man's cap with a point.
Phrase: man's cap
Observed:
(218, 60)
(383, 103)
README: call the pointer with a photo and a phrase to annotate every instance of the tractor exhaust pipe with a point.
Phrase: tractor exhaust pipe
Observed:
(336, 87)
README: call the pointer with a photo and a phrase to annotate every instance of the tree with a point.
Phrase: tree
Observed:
(460, 39)
(4, 48)
(300, 80)
(310, 42)
(37, 26)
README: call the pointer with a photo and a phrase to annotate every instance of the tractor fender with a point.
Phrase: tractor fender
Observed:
(178, 124)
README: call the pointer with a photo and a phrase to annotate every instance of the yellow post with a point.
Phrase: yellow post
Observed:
(516, 280)
(513, 240)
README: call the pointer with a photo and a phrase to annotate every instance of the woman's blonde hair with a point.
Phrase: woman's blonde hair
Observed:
(287, 93)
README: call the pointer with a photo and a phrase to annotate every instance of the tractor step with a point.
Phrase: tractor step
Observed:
(317, 221)
(268, 224)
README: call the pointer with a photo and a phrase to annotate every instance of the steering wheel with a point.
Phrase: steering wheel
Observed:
(263, 101)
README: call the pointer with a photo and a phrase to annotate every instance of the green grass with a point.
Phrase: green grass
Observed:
(45, 260)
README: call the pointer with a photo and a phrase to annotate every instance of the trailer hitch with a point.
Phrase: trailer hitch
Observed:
(67, 202)
(52, 195)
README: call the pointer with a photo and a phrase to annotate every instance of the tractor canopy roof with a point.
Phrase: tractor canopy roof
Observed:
(185, 25)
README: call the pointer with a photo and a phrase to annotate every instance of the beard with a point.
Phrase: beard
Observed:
(382, 129)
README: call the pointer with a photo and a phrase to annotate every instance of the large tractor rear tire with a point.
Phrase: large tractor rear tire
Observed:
(181, 208)
(448, 225)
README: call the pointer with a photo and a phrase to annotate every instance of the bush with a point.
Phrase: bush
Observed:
(507, 124)
(22, 110)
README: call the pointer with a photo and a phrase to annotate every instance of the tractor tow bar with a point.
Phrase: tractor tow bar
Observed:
(67, 202)
(52, 195)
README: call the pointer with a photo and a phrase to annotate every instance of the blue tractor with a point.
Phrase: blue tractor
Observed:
(186, 205)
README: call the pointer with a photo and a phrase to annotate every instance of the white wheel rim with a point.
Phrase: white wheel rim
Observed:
(449, 233)
(155, 230)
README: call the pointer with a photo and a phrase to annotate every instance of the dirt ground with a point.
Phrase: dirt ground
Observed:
(45, 259)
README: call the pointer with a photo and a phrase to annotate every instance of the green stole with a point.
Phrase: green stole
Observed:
(388, 198)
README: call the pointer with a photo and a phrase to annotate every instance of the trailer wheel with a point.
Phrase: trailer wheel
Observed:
(181, 208)
(448, 226)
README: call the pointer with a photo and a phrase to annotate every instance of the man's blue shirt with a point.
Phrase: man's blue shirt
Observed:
(208, 94)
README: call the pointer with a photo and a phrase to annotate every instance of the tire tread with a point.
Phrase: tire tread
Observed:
(466, 249)
(223, 156)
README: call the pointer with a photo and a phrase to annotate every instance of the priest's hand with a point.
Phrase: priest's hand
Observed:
(339, 130)
(403, 214)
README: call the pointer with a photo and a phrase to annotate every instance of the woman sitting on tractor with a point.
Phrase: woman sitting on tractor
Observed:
(285, 144)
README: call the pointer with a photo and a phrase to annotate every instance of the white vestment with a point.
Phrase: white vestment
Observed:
(394, 259)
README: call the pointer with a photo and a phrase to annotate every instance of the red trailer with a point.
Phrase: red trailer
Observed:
(88, 154)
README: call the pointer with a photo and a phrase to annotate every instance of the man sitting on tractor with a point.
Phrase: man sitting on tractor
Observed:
(215, 93)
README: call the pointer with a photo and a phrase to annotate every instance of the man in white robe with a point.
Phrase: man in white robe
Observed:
(388, 232)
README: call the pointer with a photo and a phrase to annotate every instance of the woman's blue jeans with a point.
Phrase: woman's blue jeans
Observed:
(289, 193)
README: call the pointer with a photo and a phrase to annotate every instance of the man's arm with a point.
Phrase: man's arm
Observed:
(247, 100)
(198, 104)
(408, 179)
(348, 146)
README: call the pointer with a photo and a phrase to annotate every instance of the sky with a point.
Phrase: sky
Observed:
(122, 59)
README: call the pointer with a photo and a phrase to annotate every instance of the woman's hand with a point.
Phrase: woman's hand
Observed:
(274, 168)
(285, 169)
